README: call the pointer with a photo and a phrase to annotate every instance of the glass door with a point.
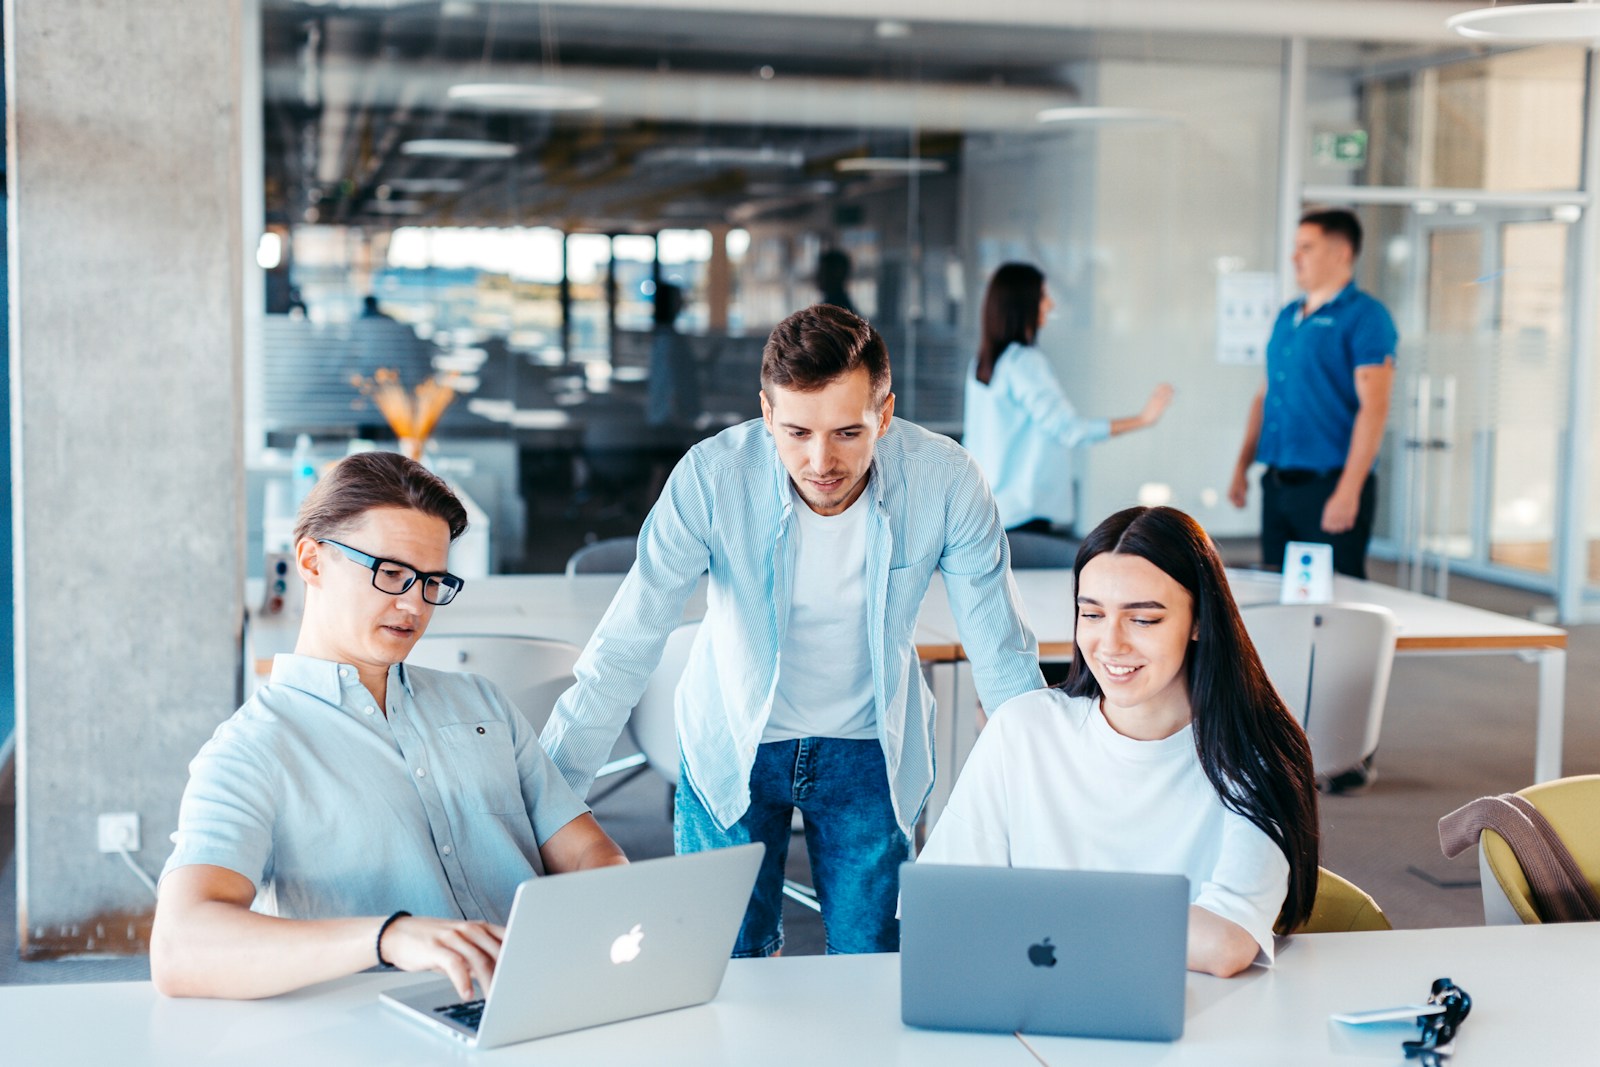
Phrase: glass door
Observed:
(1477, 430)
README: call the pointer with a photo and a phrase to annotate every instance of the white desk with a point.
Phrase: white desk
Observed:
(1530, 986)
(1532, 989)
(1428, 626)
(546, 605)
(568, 609)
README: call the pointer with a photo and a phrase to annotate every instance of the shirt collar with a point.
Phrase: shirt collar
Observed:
(1342, 295)
(400, 673)
(321, 678)
(318, 677)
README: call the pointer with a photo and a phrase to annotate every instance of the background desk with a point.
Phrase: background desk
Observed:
(563, 608)
(548, 605)
(1428, 626)
(1532, 988)
(568, 609)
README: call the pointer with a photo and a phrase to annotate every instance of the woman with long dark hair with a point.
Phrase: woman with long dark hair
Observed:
(1019, 424)
(1166, 750)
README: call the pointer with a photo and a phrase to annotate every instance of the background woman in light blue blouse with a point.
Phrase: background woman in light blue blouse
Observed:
(1020, 426)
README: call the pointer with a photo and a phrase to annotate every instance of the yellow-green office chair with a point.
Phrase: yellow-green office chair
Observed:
(1572, 807)
(1342, 907)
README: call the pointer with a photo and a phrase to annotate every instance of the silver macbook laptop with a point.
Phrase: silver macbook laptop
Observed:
(600, 946)
(1076, 953)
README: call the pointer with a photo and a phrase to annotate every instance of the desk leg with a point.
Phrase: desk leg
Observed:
(1552, 712)
(964, 731)
(955, 730)
(942, 680)
(945, 679)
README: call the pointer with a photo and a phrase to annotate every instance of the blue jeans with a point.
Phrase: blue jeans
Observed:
(855, 842)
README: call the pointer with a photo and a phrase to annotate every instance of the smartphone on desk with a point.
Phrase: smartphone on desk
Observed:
(1408, 1013)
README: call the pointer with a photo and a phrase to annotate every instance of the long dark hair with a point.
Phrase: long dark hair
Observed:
(1010, 313)
(1250, 747)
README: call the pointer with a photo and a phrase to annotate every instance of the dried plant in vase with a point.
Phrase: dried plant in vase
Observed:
(411, 413)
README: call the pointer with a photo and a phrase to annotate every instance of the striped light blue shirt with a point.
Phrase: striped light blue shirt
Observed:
(1021, 428)
(727, 510)
(333, 808)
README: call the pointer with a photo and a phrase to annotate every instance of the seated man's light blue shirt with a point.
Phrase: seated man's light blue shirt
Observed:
(1022, 429)
(333, 809)
(1311, 404)
(728, 510)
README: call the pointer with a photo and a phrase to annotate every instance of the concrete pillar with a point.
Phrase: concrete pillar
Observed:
(127, 270)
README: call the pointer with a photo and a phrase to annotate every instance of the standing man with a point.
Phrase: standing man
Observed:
(1317, 421)
(821, 525)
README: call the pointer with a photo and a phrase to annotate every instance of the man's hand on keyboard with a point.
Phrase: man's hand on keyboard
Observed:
(464, 952)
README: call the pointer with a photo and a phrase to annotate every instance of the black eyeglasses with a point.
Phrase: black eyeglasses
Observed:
(1439, 1031)
(394, 578)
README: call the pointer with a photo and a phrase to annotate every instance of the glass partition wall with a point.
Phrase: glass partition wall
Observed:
(1471, 193)
(504, 194)
(515, 185)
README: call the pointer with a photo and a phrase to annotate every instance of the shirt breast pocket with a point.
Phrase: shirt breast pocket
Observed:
(908, 583)
(485, 763)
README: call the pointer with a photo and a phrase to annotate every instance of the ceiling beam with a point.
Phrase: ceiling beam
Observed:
(688, 97)
(1341, 20)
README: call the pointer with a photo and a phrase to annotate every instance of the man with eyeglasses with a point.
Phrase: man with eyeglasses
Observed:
(356, 811)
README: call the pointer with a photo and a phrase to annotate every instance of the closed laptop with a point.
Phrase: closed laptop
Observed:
(1073, 953)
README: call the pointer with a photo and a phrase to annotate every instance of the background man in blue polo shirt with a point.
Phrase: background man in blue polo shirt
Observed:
(1317, 420)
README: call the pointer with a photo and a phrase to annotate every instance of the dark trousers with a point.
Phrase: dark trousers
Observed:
(1291, 510)
(1043, 526)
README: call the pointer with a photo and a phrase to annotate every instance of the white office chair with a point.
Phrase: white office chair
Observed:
(531, 671)
(653, 724)
(614, 555)
(1330, 663)
(654, 727)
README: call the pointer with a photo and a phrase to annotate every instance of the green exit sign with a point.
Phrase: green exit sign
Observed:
(1340, 149)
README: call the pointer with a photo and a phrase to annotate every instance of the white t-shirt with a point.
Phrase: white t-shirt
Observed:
(824, 672)
(1051, 784)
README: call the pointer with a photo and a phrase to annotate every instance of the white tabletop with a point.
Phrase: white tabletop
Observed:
(1427, 626)
(568, 609)
(1425, 623)
(1533, 991)
(802, 1010)
(552, 606)
(1529, 986)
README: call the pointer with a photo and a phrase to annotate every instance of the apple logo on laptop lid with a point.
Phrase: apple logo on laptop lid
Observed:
(625, 949)
(1043, 954)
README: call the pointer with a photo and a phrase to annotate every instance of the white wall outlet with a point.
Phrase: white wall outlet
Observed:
(118, 831)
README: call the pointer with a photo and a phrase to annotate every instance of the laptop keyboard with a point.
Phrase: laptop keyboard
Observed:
(466, 1013)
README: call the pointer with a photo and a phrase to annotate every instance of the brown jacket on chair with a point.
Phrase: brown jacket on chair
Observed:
(1560, 891)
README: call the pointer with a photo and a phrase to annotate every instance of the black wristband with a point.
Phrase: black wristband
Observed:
(377, 945)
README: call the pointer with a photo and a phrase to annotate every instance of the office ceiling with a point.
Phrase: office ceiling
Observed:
(702, 116)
